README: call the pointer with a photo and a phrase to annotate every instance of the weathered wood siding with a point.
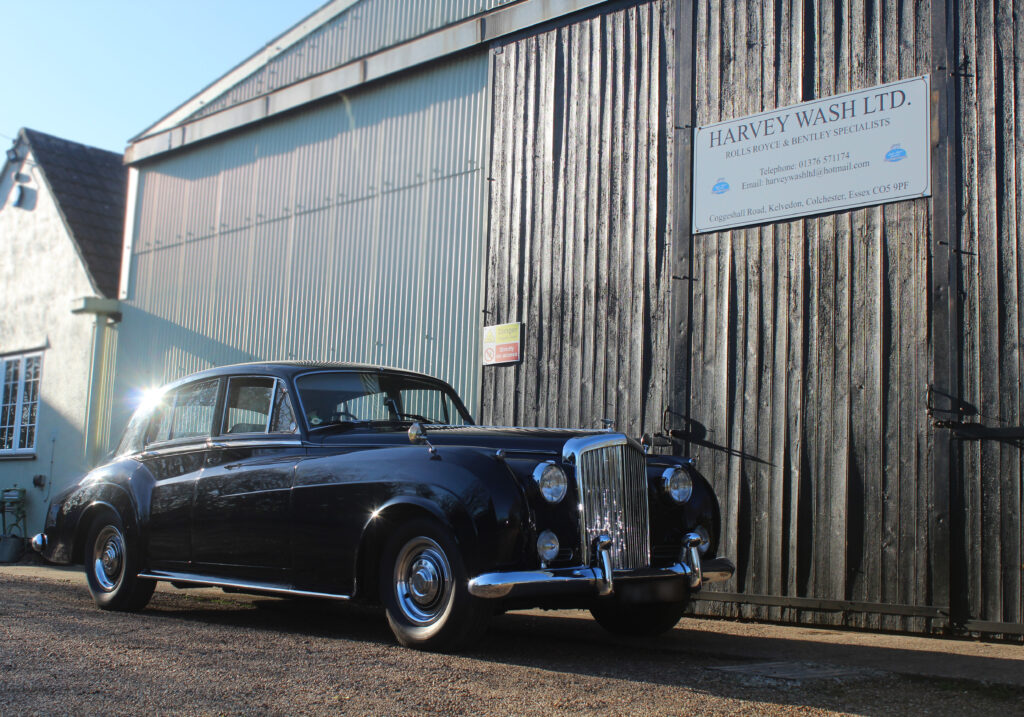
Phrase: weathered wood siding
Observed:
(803, 364)
(577, 246)
(991, 197)
(809, 340)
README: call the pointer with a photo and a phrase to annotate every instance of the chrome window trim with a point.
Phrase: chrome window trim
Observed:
(270, 408)
(174, 389)
(227, 392)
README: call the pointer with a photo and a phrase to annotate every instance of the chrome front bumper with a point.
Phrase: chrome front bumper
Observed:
(601, 581)
(38, 542)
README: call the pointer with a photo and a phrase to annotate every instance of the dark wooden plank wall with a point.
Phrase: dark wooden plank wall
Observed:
(810, 355)
(577, 247)
(991, 197)
(809, 343)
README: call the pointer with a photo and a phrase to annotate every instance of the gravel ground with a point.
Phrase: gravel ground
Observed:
(208, 653)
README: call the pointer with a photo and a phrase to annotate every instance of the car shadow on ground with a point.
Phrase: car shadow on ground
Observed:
(685, 658)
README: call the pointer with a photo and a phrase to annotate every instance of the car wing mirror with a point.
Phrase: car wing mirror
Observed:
(418, 437)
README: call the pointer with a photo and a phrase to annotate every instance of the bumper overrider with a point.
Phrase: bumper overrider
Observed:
(690, 572)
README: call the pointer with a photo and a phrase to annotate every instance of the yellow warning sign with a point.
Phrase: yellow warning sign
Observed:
(502, 343)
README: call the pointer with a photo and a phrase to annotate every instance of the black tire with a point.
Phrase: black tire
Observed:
(424, 589)
(638, 620)
(112, 564)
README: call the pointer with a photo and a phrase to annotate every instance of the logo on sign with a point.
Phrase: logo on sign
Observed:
(895, 154)
(721, 186)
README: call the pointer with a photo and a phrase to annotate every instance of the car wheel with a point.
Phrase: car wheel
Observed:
(638, 619)
(424, 588)
(112, 566)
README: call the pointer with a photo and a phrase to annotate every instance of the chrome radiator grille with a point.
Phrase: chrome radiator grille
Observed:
(613, 483)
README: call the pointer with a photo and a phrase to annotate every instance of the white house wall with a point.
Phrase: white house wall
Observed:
(350, 231)
(41, 276)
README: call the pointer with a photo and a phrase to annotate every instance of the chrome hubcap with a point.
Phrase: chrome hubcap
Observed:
(108, 558)
(423, 581)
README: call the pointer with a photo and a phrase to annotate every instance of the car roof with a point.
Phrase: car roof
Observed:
(290, 369)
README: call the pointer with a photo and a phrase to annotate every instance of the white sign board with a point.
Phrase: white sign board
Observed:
(853, 150)
(502, 343)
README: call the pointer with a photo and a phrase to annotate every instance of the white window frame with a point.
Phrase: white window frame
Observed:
(20, 398)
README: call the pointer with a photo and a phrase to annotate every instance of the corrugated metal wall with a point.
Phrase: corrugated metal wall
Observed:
(577, 247)
(809, 340)
(352, 231)
(365, 28)
(991, 39)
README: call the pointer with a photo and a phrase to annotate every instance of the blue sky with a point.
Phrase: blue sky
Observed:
(100, 71)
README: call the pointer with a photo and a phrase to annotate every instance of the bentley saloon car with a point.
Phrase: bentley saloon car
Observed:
(362, 483)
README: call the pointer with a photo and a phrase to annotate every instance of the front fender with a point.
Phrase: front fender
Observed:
(338, 499)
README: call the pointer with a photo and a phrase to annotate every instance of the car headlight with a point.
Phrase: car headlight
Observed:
(547, 546)
(551, 480)
(678, 484)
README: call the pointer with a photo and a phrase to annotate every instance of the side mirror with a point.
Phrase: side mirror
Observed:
(418, 437)
(417, 434)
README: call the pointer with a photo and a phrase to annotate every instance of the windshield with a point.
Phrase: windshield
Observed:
(349, 398)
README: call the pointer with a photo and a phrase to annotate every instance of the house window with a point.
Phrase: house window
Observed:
(19, 403)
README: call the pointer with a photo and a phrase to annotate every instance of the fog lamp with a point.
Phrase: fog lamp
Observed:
(547, 546)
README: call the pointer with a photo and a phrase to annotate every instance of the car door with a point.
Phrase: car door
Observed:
(175, 453)
(243, 498)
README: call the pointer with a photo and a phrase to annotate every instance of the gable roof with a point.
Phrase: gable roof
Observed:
(88, 185)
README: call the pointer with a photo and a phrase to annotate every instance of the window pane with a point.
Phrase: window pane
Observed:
(9, 403)
(248, 405)
(29, 402)
(338, 397)
(132, 440)
(186, 413)
(284, 418)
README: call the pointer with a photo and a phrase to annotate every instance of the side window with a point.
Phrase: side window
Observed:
(248, 406)
(186, 412)
(284, 418)
(134, 434)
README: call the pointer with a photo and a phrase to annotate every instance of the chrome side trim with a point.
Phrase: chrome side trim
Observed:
(215, 582)
(255, 443)
(220, 444)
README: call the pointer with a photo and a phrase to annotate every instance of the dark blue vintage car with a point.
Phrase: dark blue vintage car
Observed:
(354, 482)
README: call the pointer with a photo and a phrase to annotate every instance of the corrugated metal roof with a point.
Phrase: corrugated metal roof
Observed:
(366, 27)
